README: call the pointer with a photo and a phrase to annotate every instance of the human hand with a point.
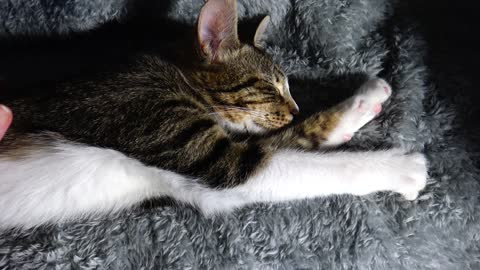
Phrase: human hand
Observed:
(5, 119)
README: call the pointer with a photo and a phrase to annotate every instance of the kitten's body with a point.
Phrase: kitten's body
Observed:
(160, 130)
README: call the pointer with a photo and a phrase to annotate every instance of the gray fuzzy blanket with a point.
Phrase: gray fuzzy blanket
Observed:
(327, 47)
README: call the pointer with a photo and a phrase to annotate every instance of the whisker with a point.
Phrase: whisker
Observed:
(236, 110)
(225, 107)
(253, 115)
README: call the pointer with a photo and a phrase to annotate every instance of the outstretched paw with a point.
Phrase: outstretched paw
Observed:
(413, 175)
(360, 109)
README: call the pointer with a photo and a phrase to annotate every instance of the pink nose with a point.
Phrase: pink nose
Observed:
(294, 109)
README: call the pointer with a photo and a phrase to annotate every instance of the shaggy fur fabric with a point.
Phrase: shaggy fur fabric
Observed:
(328, 48)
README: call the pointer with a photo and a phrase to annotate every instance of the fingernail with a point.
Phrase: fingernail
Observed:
(5, 108)
(5, 115)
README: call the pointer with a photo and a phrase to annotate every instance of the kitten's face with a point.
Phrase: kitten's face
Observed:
(251, 93)
(248, 91)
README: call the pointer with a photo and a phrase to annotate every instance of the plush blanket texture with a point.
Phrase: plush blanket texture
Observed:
(423, 48)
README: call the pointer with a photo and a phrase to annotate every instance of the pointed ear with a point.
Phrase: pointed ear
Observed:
(259, 33)
(217, 28)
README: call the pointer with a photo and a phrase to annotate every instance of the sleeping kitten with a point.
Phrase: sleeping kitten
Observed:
(160, 129)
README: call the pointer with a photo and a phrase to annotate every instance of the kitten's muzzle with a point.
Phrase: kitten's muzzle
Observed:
(294, 110)
(293, 107)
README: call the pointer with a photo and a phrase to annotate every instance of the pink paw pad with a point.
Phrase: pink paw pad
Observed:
(347, 137)
(386, 89)
(377, 108)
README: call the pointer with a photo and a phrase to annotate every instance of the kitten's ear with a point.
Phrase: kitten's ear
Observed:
(259, 33)
(217, 28)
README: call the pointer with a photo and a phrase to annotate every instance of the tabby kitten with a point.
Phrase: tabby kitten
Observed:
(164, 130)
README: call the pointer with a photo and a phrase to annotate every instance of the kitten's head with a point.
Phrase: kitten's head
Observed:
(248, 90)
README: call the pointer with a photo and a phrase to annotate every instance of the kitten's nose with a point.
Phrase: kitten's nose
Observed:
(294, 109)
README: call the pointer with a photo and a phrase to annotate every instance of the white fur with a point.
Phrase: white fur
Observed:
(70, 180)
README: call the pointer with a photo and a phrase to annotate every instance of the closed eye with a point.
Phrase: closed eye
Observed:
(235, 88)
(268, 89)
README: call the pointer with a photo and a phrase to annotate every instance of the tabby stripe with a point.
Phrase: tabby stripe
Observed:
(242, 104)
(202, 166)
(179, 103)
(262, 101)
(165, 160)
(238, 87)
(199, 168)
(220, 102)
(187, 134)
(182, 138)
(248, 162)
(268, 88)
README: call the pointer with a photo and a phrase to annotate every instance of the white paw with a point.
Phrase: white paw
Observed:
(375, 90)
(365, 105)
(411, 174)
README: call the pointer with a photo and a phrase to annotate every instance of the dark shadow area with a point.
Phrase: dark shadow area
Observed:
(28, 61)
(450, 29)
(315, 95)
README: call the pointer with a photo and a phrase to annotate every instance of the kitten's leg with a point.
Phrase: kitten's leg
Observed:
(338, 124)
(294, 175)
(45, 178)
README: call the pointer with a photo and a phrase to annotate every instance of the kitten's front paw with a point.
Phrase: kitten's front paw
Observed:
(360, 109)
(376, 91)
(367, 103)
(412, 171)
